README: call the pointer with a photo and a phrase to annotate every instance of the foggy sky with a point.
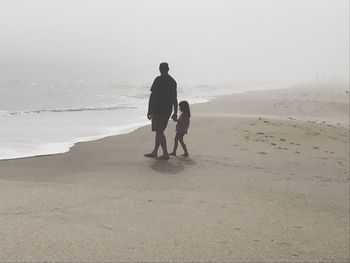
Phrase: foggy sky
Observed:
(203, 41)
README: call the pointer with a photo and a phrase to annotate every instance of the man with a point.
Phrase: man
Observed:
(162, 100)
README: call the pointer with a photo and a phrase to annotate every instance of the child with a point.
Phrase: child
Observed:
(181, 127)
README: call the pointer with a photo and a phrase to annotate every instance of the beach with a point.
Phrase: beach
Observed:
(267, 180)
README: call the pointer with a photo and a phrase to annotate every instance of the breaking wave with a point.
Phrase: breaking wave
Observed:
(37, 111)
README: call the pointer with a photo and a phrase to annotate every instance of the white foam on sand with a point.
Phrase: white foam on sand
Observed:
(62, 147)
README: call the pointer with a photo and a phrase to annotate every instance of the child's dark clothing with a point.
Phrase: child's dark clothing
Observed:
(183, 123)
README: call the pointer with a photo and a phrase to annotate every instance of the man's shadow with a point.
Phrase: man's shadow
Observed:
(172, 166)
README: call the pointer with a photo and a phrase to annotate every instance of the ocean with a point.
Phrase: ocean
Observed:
(41, 118)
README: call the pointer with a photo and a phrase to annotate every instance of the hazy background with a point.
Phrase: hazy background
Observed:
(203, 41)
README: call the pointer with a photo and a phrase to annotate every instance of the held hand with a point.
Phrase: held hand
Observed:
(174, 117)
(149, 116)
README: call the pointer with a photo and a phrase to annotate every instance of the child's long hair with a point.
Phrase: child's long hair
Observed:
(185, 107)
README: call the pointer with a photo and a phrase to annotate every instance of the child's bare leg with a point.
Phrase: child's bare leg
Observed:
(176, 140)
(181, 139)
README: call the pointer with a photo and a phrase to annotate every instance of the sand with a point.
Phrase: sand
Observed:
(267, 180)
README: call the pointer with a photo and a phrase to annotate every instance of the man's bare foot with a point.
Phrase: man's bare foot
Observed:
(152, 155)
(172, 154)
(162, 157)
(184, 155)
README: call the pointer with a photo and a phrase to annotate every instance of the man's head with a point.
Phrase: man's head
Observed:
(164, 68)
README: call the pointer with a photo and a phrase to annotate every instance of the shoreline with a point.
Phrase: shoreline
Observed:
(64, 147)
(126, 129)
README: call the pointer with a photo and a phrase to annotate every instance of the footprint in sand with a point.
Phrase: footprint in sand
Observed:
(316, 148)
(211, 161)
(284, 244)
(339, 162)
(297, 152)
(261, 133)
(283, 140)
(263, 153)
(273, 143)
(312, 133)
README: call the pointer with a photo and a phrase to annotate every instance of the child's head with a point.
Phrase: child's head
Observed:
(185, 107)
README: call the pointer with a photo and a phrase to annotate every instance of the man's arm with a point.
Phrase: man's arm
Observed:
(151, 100)
(150, 106)
(174, 117)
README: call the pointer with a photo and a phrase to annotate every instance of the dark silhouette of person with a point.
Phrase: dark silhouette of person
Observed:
(162, 101)
(182, 127)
